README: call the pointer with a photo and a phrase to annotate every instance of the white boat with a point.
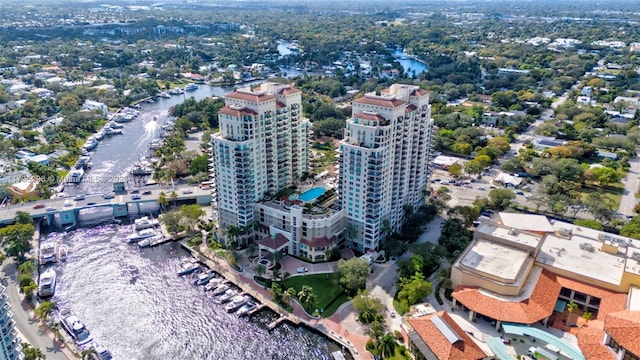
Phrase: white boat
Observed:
(144, 243)
(141, 170)
(221, 289)
(47, 283)
(214, 283)
(75, 176)
(99, 135)
(101, 353)
(191, 87)
(237, 302)
(142, 234)
(227, 296)
(74, 327)
(48, 253)
(115, 125)
(164, 95)
(145, 222)
(90, 144)
(204, 278)
(246, 308)
(188, 268)
(63, 252)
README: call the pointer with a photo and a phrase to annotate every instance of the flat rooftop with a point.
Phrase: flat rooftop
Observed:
(626, 246)
(496, 259)
(527, 222)
(573, 255)
(505, 233)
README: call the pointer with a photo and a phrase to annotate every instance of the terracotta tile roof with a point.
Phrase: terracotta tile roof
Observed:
(319, 241)
(590, 339)
(583, 287)
(611, 304)
(419, 92)
(255, 97)
(410, 108)
(274, 243)
(464, 349)
(369, 116)
(280, 105)
(237, 112)
(537, 307)
(289, 90)
(624, 328)
(391, 103)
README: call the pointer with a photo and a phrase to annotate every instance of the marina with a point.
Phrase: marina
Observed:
(105, 280)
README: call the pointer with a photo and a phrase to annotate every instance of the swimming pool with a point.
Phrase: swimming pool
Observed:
(311, 194)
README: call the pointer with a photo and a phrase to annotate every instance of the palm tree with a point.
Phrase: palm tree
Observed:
(233, 258)
(286, 297)
(387, 345)
(386, 228)
(32, 353)
(251, 250)
(44, 310)
(23, 217)
(275, 273)
(276, 257)
(260, 270)
(587, 316)
(26, 267)
(162, 200)
(173, 197)
(55, 329)
(286, 276)
(376, 330)
(571, 307)
(88, 354)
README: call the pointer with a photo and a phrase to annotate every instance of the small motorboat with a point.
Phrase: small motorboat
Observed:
(236, 303)
(247, 308)
(189, 268)
(141, 235)
(227, 296)
(221, 289)
(63, 252)
(204, 278)
(144, 243)
(214, 283)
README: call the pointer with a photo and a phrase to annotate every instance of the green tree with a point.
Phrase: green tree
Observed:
(631, 229)
(353, 274)
(455, 170)
(88, 354)
(587, 316)
(501, 198)
(606, 175)
(162, 200)
(368, 306)
(44, 310)
(32, 353)
(233, 258)
(414, 290)
(17, 239)
(27, 268)
(593, 224)
(307, 297)
(191, 214)
(571, 308)
(199, 164)
(387, 345)
(260, 270)
(23, 217)
(173, 222)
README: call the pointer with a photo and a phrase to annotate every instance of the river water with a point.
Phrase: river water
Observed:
(113, 159)
(132, 300)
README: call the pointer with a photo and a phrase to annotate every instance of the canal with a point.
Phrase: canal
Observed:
(113, 159)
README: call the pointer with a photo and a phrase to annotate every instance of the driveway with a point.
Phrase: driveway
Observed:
(28, 329)
(628, 200)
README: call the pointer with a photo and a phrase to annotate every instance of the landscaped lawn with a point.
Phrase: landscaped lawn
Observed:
(612, 191)
(325, 286)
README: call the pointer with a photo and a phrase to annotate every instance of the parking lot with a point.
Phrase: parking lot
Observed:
(465, 192)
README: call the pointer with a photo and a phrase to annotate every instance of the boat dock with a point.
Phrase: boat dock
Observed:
(272, 325)
(257, 309)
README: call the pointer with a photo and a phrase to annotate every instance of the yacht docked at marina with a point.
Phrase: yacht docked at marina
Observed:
(47, 283)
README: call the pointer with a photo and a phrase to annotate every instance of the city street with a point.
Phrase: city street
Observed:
(29, 329)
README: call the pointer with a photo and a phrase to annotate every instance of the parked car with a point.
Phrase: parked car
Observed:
(79, 198)
(520, 193)
(134, 191)
(108, 196)
(302, 269)
(187, 191)
(135, 197)
(481, 188)
(51, 208)
(148, 192)
(67, 203)
(38, 206)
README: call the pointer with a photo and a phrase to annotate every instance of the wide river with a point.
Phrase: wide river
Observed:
(132, 300)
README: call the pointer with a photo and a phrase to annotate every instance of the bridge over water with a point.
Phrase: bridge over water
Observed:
(121, 203)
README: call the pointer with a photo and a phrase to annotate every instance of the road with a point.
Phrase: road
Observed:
(628, 200)
(28, 328)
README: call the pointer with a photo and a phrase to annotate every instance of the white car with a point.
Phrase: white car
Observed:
(302, 269)
(68, 203)
(481, 188)
(187, 191)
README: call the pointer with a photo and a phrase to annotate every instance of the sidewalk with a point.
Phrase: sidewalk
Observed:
(329, 326)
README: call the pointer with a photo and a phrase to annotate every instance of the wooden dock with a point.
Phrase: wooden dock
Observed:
(276, 322)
